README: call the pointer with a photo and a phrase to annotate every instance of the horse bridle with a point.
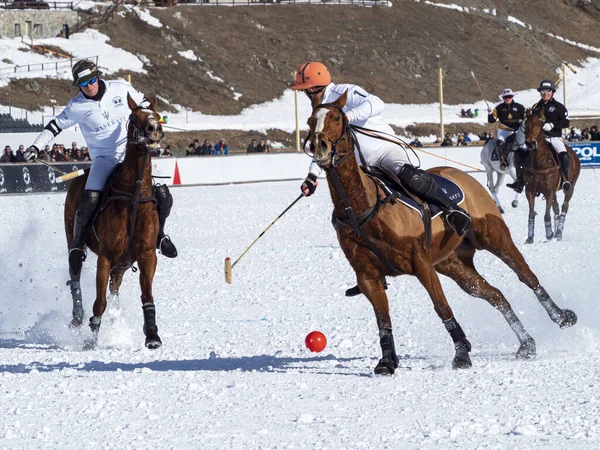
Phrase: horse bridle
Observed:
(137, 136)
(346, 133)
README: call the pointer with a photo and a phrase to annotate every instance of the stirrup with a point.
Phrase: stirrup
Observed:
(166, 247)
(458, 220)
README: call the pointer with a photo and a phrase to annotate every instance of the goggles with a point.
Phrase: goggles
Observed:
(85, 83)
(508, 96)
(545, 91)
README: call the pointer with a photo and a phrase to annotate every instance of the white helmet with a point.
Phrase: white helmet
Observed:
(507, 93)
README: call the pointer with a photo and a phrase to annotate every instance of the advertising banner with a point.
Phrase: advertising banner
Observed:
(21, 178)
(588, 152)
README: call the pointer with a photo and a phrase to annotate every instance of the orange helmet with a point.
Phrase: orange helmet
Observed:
(309, 75)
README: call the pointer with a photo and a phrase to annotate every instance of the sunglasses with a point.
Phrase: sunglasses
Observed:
(85, 83)
(508, 96)
(545, 91)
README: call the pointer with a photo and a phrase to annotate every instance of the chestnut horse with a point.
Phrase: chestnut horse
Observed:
(381, 239)
(126, 228)
(541, 174)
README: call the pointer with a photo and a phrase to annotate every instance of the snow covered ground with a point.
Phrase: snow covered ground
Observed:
(233, 371)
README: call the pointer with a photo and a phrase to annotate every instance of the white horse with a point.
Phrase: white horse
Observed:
(491, 161)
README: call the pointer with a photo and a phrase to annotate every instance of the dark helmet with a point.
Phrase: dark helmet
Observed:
(84, 70)
(547, 84)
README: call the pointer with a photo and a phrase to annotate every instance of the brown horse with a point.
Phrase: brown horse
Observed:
(381, 239)
(541, 174)
(126, 228)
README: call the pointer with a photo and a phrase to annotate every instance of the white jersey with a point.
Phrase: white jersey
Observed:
(103, 122)
(366, 110)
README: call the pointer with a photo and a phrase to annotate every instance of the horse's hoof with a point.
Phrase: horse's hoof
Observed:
(461, 361)
(75, 324)
(90, 343)
(549, 236)
(515, 203)
(558, 236)
(527, 350)
(385, 367)
(153, 342)
(529, 240)
(569, 319)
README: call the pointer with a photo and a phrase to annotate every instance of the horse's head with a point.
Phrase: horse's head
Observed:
(144, 124)
(534, 123)
(328, 129)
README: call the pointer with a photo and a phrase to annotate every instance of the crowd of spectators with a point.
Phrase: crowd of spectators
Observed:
(587, 134)
(207, 149)
(58, 153)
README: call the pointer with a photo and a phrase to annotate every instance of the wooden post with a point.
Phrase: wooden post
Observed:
(129, 78)
(298, 149)
(441, 82)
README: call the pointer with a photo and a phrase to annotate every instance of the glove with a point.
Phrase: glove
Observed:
(309, 185)
(548, 126)
(350, 116)
(31, 153)
(489, 111)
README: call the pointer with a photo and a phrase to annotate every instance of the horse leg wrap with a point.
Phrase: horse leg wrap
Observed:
(462, 346)
(527, 348)
(149, 319)
(388, 348)
(530, 228)
(560, 224)
(77, 302)
(555, 313)
(95, 324)
(549, 232)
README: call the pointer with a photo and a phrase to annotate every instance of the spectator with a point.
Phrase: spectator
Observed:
(8, 156)
(490, 137)
(193, 148)
(221, 148)
(573, 136)
(73, 148)
(467, 138)
(585, 134)
(447, 142)
(19, 156)
(416, 142)
(460, 140)
(78, 155)
(190, 151)
(437, 140)
(206, 148)
(155, 152)
(86, 154)
(167, 152)
(484, 137)
(251, 147)
(262, 147)
(594, 133)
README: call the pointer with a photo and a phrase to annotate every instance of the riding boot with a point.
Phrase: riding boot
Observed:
(83, 219)
(164, 202)
(424, 186)
(565, 167)
(501, 149)
(519, 160)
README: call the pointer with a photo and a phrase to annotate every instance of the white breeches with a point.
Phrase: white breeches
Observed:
(558, 144)
(101, 168)
(504, 134)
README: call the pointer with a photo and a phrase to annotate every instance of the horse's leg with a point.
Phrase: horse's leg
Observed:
(556, 211)
(493, 187)
(548, 216)
(147, 265)
(515, 202)
(531, 221)
(459, 266)
(102, 274)
(565, 207)
(499, 181)
(74, 276)
(501, 244)
(116, 278)
(373, 287)
(428, 277)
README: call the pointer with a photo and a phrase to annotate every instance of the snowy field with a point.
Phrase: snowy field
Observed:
(233, 371)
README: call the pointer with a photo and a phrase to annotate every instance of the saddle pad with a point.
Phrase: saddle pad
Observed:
(452, 190)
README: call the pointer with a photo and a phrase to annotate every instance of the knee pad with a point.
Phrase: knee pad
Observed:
(416, 180)
(164, 199)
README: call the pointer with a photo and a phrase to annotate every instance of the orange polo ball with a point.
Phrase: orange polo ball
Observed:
(315, 341)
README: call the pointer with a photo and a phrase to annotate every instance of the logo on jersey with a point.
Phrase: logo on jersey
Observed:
(1, 178)
(117, 101)
(106, 115)
(551, 109)
(87, 114)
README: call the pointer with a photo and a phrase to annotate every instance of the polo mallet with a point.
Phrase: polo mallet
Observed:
(229, 266)
(571, 68)
(480, 91)
(64, 176)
